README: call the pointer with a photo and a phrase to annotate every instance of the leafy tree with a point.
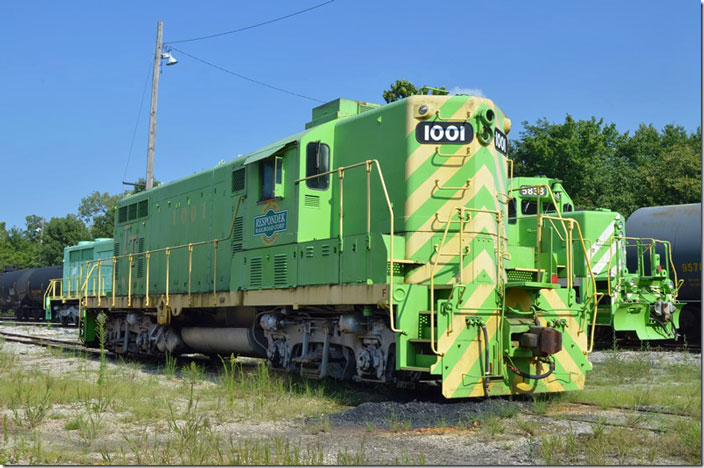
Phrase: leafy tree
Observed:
(6, 252)
(98, 211)
(602, 168)
(60, 233)
(583, 154)
(20, 247)
(403, 88)
(668, 165)
(35, 227)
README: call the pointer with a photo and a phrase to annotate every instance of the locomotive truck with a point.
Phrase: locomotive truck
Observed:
(380, 244)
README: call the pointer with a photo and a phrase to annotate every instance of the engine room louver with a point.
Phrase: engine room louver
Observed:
(238, 179)
(140, 258)
(237, 235)
(280, 270)
(115, 253)
(311, 201)
(255, 272)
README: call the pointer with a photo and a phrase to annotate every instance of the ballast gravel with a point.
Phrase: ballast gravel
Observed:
(422, 414)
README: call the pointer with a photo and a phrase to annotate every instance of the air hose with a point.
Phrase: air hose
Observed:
(525, 375)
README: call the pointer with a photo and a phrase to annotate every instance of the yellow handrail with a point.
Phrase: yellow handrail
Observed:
(653, 243)
(454, 155)
(433, 347)
(167, 251)
(340, 173)
(438, 249)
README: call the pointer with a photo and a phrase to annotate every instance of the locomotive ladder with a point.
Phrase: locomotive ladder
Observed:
(463, 216)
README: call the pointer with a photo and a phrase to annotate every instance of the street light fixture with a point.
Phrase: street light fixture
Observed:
(170, 60)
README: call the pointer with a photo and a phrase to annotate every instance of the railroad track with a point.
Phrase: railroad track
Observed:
(636, 345)
(660, 346)
(46, 342)
(14, 321)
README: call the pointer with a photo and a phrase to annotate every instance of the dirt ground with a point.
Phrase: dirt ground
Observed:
(378, 428)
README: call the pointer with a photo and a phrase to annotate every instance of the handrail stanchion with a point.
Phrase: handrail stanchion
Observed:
(99, 277)
(114, 270)
(168, 255)
(369, 198)
(215, 268)
(146, 285)
(190, 267)
(129, 282)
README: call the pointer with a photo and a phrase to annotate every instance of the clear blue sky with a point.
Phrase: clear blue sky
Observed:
(72, 75)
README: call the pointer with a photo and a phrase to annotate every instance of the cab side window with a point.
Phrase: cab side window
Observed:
(317, 162)
(512, 211)
(271, 178)
(266, 179)
(529, 207)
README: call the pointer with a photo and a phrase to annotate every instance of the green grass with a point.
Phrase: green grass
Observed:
(669, 397)
(169, 366)
(101, 400)
(636, 383)
(606, 446)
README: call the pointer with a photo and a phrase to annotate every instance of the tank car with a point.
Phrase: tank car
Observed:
(681, 225)
(23, 291)
(375, 246)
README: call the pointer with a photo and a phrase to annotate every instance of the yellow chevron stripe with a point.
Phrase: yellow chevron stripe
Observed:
(473, 351)
(520, 297)
(564, 357)
(421, 154)
(422, 274)
(420, 237)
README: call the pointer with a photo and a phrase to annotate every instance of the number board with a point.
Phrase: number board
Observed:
(532, 191)
(447, 133)
(500, 141)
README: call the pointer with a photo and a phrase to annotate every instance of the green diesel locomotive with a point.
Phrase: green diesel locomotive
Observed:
(381, 244)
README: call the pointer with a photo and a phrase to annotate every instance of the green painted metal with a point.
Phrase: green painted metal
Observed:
(80, 259)
(472, 272)
(628, 297)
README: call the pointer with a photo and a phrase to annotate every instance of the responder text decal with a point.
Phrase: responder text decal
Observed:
(270, 223)
(447, 133)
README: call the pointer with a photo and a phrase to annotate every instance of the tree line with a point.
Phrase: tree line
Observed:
(42, 242)
(599, 166)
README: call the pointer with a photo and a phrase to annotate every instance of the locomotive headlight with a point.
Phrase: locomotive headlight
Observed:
(670, 284)
(632, 283)
(423, 111)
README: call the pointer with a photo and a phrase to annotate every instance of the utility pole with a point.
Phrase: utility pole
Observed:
(152, 114)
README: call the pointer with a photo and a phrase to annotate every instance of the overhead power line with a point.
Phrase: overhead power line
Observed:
(253, 25)
(238, 75)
